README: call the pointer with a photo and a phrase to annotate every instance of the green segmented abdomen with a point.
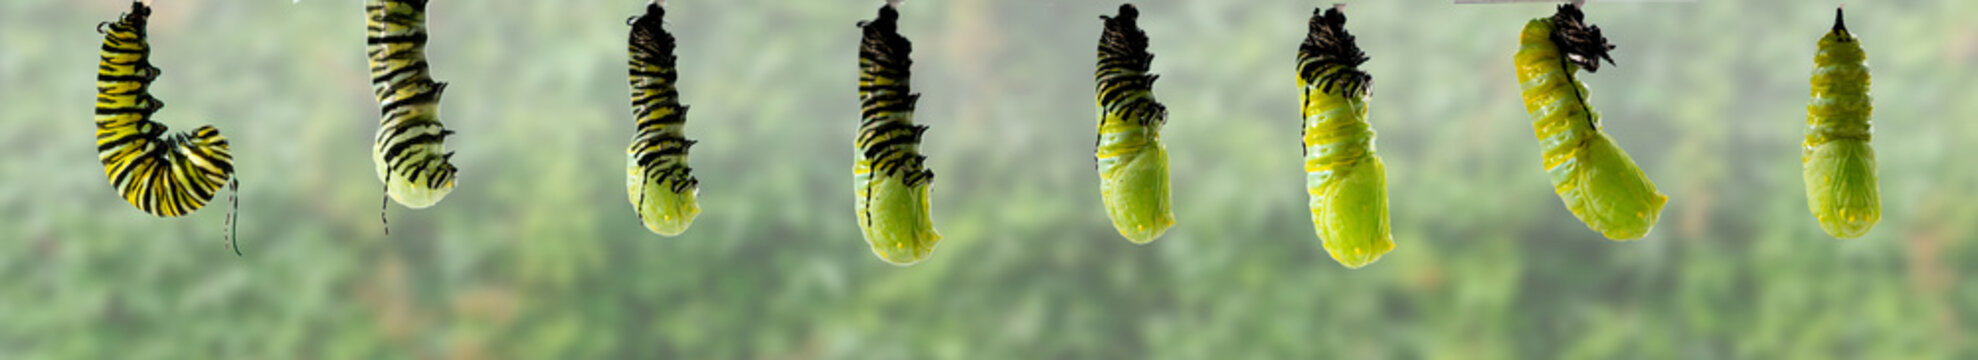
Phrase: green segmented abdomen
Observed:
(1132, 162)
(889, 176)
(1597, 181)
(1839, 164)
(661, 186)
(1347, 182)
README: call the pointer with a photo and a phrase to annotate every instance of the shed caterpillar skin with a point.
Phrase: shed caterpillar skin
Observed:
(1838, 163)
(1598, 182)
(1347, 182)
(1132, 161)
(889, 177)
(661, 186)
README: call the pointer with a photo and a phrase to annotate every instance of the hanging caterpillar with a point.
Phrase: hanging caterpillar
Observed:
(1346, 180)
(1132, 162)
(661, 186)
(1839, 164)
(889, 176)
(409, 150)
(1598, 182)
(164, 174)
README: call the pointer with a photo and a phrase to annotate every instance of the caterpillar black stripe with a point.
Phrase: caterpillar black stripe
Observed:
(162, 173)
(661, 186)
(409, 150)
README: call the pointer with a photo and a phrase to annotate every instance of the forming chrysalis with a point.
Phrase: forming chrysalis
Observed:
(1132, 162)
(661, 186)
(1347, 182)
(889, 178)
(1598, 182)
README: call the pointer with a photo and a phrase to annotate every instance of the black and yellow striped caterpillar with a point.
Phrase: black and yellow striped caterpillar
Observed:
(409, 150)
(164, 174)
(1598, 182)
(661, 186)
(1838, 163)
(890, 177)
(1347, 182)
(1132, 162)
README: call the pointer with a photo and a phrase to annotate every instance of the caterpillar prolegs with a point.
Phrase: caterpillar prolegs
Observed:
(162, 173)
(1598, 182)
(889, 177)
(1132, 162)
(660, 185)
(409, 150)
(1838, 163)
(1347, 182)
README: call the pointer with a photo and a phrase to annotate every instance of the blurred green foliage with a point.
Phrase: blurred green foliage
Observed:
(538, 255)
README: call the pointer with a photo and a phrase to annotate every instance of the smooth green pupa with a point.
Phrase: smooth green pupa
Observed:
(1837, 162)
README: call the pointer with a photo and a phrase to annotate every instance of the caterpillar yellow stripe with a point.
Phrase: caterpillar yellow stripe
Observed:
(889, 176)
(1839, 164)
(409, 150)
(1346, 180)
(1132, 162)
(162, 173)
(1598, 182)
(661, 186)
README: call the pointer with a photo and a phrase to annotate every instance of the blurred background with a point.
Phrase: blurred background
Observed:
(539, 255)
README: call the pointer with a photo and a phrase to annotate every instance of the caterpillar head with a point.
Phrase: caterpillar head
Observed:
(132, 21)
(1581, 42)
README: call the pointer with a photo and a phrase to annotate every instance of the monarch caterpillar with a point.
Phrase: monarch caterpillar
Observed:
(1132, 162)
(1839, 164)
(661, 186)
(163, 174)
(1346, 180)
(1598, 182)
(889, 177)
(409, 150)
